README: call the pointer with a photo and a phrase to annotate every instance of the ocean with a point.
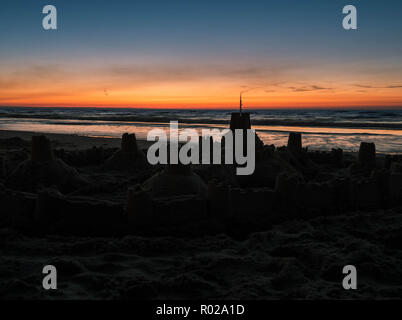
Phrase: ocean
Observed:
(321, 129)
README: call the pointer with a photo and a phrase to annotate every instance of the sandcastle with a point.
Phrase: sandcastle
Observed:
(43, 169)
(289, 182)
(175, 195)
(240, 120)
(295, 142)
(129, 157)
(174, 180)
(367, 154)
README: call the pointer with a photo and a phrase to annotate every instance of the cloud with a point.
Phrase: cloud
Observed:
(394, 87)
(160, 73)
(366, 86)
(308, 88)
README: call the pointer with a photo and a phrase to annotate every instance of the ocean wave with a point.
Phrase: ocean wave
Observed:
(369, 119)
(201, 120)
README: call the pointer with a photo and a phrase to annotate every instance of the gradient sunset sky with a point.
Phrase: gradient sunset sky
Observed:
(292, 53)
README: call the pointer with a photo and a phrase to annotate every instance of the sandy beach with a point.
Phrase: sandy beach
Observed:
(293, 255)
(69, 141)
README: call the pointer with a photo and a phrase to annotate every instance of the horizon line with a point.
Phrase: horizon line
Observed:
(215, 108)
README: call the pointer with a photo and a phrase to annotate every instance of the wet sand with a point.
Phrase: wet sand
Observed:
(69, 141)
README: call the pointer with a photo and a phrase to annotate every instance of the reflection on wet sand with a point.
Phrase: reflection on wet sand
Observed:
(387, 140)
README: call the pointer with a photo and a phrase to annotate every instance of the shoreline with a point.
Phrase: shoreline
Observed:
(70, 141)
(74, 141)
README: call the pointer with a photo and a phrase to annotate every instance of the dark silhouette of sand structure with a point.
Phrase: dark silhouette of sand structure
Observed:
(296, 220)
(129, 157)
(367, 154)
(240, 120)
(175, 180)
(288, 181)
(295, 142)
(43, 169)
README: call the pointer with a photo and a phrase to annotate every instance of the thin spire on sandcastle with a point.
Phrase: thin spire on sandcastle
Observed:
(240, 120)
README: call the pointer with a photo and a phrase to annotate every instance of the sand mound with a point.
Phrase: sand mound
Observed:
(42, 169)
(175, 180)
(129, 157)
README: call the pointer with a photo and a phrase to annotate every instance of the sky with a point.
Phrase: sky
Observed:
(201, 54)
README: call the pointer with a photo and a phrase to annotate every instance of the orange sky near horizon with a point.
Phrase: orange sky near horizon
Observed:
(148, 85)
(203, 97)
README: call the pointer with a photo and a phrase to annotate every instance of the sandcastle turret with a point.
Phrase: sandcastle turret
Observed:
(367, 153)
(129, 157)
(129, 143)
(41, 149)
(295, 141)
(240, 121)
(43, 169)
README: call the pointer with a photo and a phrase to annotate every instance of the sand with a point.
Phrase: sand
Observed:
(295, 258)
(69, 141)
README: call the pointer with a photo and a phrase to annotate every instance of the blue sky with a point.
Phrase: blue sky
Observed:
(287, 34)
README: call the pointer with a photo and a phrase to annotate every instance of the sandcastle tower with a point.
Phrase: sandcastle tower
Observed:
(129, 143)
(129, 157)
(295, 142)
(43, 169)
(367, 154)
(240, 120)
